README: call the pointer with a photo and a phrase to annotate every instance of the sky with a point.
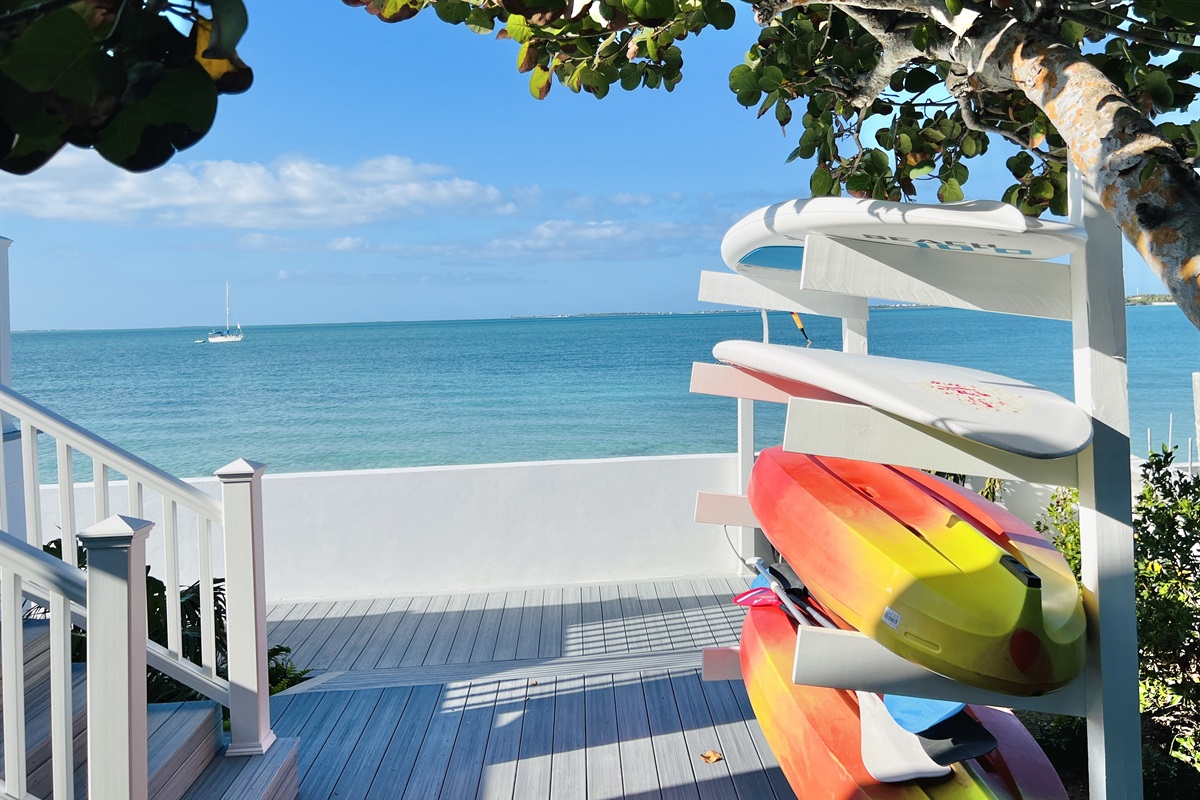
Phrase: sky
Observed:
(403, 172)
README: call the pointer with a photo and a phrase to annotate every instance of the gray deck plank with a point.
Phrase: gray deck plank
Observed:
(447, 629)
(750, 775)
(712, 605)
(368, 752)
(615, 640)
(568, 766)
(402, 636)
(468, 629)
(504, 741)
(433, 759)
(466, 760)
(658, 636)
(285, 627)
(306, 652)
(713, 780)
(277, 612)
(321, 774)
(671, 756)
(550, 640)
(510, 626)
(489, 628)
(289, 714)
(691, 617)
(318, 727)
(401, 755)
(360, 639)
(529, 635)
(678, 632)
(591, 622)
(356, 616)
(572, 622)
(389, 624)
(310, 624)
(422, 639)
(600, 731)
(634, 619)
(537, 742)
(639, 774)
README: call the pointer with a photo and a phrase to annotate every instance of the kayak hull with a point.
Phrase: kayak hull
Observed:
(931, 571)
(814, 733)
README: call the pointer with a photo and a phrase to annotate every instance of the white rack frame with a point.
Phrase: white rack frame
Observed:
(836, 278)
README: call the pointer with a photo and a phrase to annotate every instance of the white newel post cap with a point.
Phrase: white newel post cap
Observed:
(240, 471)
(115, 531)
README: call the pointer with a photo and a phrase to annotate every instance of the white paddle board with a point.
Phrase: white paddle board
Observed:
(979, 406)
(770, 241)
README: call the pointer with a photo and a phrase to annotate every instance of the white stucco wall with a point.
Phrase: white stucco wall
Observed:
(340, 535)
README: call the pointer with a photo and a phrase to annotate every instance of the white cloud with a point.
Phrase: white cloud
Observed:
(288, 193)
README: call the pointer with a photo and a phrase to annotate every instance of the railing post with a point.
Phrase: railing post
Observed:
(116, 664)
(12, 492)
(246, 609)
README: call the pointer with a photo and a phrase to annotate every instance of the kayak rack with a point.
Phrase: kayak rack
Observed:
(836, 278)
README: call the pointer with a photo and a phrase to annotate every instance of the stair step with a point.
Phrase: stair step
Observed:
(272, 776)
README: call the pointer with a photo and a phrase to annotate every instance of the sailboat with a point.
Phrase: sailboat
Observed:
(216, 337)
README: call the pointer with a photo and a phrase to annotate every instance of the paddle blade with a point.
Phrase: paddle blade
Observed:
(916, 714)
(760, 596)
(890, 753)
(956, 739)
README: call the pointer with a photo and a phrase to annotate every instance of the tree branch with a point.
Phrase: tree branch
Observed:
(1130, 35)
(959, 86)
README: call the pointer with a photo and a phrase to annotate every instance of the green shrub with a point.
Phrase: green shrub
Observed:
(1166, 523)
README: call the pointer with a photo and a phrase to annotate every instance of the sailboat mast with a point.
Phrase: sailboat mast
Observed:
(227, 306)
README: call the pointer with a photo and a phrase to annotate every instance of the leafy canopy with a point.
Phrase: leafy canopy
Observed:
(118, 76)
(876, 126)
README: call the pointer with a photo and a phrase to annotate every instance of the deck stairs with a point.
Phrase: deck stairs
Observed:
(185, 742)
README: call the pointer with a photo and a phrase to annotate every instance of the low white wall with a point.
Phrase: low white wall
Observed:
(341, 535)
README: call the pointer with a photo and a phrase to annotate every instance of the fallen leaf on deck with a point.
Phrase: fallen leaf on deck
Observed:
(711, 757)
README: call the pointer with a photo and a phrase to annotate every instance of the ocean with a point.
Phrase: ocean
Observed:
(303, 398)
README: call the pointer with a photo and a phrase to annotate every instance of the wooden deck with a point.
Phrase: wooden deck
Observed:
(569, 692)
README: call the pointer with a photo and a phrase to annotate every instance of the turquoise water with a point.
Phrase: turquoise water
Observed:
(328, 397)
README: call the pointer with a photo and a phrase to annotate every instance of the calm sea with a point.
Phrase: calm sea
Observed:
(330, 397)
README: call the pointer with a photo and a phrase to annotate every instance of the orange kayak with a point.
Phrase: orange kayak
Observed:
(815, 734)
(928, 569)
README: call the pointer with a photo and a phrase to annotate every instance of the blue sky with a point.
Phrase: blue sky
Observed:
(403, 172)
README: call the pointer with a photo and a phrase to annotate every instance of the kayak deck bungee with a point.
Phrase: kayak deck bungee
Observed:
(815, 734)
(931, 571)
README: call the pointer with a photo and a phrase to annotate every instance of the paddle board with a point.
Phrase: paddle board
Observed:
(930, 570)
(815, 734)
(979, 406)
(769, 242)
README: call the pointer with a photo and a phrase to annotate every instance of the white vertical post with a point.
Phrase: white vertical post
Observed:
(854, 335)
(1196, 407)
(12, 640)
(750, 543)
(116, 668)
(246, 609)
(1105, 517)
(13, 498)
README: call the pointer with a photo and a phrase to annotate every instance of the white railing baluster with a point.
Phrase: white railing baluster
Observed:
(137, 498)
(171, 563)
(208, 623)
(62, 705)
(4, 520)
(66, 501)
(12, 640)
(100, 488)
(33, 490)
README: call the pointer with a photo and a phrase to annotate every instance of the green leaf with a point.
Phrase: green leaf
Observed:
(518, 28)
(918, 80)
(229, 22)
(1019, 165)
(783, 113)
(1073, 32)
(452, 11)
(1041, 189)
(57, 53)
(951, 192)
(970, 147)
(860, 183)
(1160, 90)
(772, 79)
(904, 144)
(954, 7)
(175, 115)
(650, 11)
(722, 16)
(480, 21)
(539, 82)
(527, 57)
(821, 182)
(921, 170)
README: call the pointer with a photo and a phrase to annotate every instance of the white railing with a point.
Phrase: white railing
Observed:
(237, 516)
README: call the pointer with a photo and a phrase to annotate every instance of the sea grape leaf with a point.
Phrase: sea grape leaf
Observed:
(229, 23)
(58, 53)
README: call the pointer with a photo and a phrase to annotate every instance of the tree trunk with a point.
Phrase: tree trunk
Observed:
(1142, 181)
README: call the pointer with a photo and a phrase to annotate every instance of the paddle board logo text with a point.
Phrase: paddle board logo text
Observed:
(951, 245)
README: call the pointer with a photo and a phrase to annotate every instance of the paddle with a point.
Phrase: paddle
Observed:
(917, 714)
(889, 753)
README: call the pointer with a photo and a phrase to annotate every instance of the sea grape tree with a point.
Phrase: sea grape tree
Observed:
(136, 80)
(883, 95)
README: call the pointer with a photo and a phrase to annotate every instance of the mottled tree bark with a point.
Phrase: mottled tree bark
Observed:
(1142, 181)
